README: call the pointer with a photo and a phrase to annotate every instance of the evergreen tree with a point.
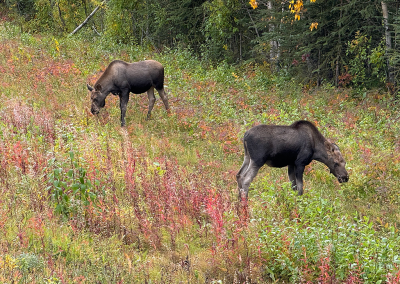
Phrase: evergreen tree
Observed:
(344, 42)
(320, 53)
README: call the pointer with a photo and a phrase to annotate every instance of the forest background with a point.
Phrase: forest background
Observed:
(344, 43)
(83, 200)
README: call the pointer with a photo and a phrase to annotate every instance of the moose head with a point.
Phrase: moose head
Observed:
(336, 162)
(98, 99)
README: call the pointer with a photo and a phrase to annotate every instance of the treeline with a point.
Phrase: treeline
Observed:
(341, 42)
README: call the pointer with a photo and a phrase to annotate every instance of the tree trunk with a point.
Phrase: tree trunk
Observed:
(240, 46)
(339, 51)
(84, 6)
(274, 51)
(388, 40)
(61, 17)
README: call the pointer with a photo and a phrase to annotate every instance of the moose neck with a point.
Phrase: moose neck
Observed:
(321, 155)
(103, 95)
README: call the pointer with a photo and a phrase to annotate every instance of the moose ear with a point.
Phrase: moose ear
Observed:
(89, 87)
(329, 146)
(97, 87)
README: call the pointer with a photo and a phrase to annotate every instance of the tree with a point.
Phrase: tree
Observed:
(394, 57)
(320, 54)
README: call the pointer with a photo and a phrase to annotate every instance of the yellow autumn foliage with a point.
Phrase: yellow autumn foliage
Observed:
(313, 26)
(253, 4)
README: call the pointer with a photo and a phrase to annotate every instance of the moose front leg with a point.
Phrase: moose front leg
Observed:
(123, 103)
(299, 170)
(292, 176)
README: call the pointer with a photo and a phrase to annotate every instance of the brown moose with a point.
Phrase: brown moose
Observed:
(121, 78)
(294, 146)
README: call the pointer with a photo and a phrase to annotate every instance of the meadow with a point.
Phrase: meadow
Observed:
(83, 200)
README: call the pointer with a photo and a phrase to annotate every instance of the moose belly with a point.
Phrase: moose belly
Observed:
(280, 160)
(140, 87)
(276, 164)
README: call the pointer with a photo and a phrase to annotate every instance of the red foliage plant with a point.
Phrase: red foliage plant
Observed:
(345, 79)
(163, 197)
(393, 278)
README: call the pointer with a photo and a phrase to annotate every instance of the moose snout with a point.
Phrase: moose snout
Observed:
(94, 111)
(342, 179)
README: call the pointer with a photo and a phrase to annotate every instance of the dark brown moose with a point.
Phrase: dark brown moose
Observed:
(121, 78)
(294, 146)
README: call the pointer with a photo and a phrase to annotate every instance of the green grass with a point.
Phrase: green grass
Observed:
(83, 200)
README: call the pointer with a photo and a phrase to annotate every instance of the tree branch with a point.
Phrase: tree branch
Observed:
(248, 12)
(87, 19)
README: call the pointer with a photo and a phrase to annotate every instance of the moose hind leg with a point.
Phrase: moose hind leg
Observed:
(248, 177)
(164, 98)
(152, 100)
(239, 176)
(292, 176)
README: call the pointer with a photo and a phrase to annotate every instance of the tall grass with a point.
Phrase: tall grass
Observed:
(83, 200)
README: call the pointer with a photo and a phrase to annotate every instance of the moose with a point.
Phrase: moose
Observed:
(121, 78)
(294, 146)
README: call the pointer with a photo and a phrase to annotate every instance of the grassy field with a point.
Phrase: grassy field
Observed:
(83, 200)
